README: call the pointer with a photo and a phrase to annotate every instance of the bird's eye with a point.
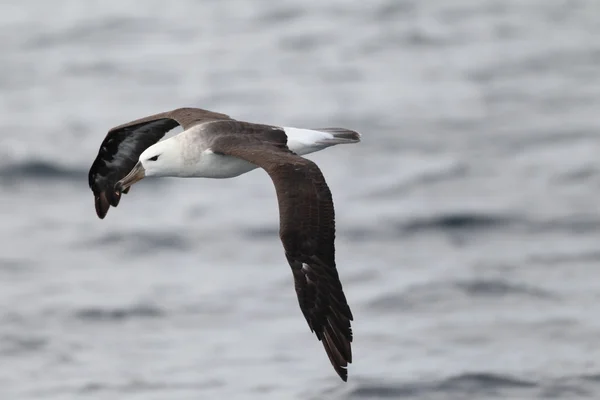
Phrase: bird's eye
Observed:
(153, 158)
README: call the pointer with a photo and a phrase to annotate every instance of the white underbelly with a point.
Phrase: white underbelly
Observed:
(217, 166)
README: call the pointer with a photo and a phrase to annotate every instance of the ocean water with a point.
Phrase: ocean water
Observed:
(468, 219)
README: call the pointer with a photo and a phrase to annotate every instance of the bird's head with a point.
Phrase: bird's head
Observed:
(161, 159)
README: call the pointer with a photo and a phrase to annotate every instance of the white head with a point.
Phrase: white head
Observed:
(164, 158)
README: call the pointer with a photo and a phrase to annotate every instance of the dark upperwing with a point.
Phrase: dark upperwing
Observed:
(307, 231)
(123, 144)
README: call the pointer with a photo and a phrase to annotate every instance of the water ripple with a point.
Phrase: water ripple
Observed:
(137, 386)
(40, 170)
(120, 313)
(472, 384)
(429, 294)
(500, 288)
(141, 242)
(16, 345)
(457, 221)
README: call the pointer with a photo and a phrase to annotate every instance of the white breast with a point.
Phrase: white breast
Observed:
(211, 165)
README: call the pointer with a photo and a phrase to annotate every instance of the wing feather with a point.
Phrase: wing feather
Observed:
(123, 144)
(307, 231)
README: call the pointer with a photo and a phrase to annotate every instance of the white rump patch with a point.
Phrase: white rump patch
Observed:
(307, 137)
(304, 141)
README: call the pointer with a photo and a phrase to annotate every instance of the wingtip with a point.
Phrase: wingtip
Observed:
(105, 199)
(102, 205)
(343, 135)
(339, 354)
(343, 374)
(355, 135)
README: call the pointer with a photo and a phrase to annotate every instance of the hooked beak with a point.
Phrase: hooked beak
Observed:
(136, 174)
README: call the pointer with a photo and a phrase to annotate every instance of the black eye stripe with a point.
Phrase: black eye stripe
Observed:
(153, 158)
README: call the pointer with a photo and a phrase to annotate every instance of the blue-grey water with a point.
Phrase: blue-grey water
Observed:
(468, 218)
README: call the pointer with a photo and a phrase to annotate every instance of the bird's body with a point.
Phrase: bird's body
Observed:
(213, 145)
(202, 162)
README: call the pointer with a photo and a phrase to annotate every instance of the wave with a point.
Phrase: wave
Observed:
(153, 386)
(500, 288)
(90, 31)
(482, 381)
(40, 170)
(393, 190)
(443, 292)
(12, 345)
(259, 232)
(471, 384)
(579, 224)
(119, 313)
(457, 221)
(142, 242)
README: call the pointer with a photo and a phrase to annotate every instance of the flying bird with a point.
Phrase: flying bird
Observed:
(214, 145)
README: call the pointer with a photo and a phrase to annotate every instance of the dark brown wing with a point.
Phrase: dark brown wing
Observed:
(307, 231)
(123, 145)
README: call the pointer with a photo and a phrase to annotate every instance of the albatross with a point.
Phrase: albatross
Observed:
(214, 145)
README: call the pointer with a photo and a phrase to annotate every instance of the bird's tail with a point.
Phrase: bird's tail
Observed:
(340, 136)
(306, 141)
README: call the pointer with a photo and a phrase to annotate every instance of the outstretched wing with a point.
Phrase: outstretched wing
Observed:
(307, 231)
(123, 145)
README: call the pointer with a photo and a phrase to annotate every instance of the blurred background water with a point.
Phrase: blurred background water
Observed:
(468, 218)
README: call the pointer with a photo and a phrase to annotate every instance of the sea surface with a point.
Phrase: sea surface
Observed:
(468, 218)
